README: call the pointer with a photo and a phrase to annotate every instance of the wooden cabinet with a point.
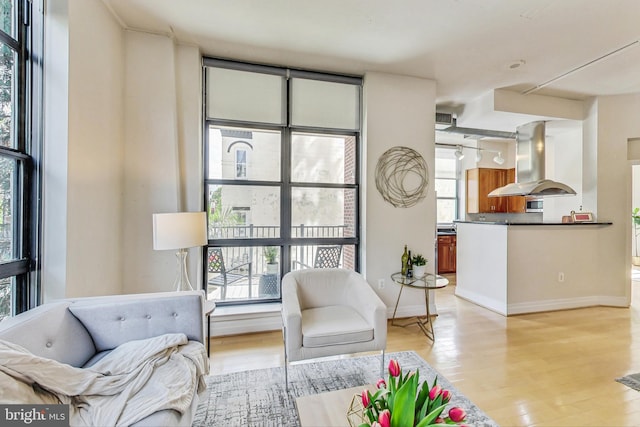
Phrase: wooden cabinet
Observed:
(482, 181)
(446, 254)
(515, 204)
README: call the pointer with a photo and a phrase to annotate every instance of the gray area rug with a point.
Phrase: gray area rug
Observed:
(259, 398)
(632, 381)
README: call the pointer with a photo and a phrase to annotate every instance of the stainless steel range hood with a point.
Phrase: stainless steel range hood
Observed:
(530, 167)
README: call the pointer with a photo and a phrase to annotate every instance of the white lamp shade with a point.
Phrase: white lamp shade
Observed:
(179, 230)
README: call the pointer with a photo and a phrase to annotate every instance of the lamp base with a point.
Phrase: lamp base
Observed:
(182, 279)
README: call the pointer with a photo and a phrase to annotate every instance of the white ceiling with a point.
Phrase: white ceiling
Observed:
(466, 46)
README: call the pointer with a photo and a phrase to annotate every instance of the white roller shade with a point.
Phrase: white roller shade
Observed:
(325, 104)
(245, 96)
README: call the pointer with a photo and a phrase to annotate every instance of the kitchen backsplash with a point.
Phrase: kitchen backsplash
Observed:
(510, 217)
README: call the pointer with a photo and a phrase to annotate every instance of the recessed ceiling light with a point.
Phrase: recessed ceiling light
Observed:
(516, 64)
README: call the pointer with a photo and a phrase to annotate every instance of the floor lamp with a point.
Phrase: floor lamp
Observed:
(180, 231)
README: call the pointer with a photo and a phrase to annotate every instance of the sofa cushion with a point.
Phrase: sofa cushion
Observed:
(114, 322)
(50, 331)
(334, 324)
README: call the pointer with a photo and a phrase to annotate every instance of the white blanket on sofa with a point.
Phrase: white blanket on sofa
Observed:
(133, 381)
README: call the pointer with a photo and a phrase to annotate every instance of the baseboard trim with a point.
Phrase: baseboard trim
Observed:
(566, 304)
(481, 300)
(540, 306)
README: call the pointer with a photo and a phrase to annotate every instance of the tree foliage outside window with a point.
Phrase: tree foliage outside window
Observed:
(6, 140)
(6, 16)
(6, 78)
(220, 216)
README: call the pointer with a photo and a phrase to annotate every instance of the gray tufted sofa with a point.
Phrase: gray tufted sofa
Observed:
(81, 331)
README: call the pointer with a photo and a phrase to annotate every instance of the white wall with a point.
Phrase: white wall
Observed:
(614, 121)
(563, 163)
(536, 257)
(162, 145)
(83, 151)
(189, 107)
(482, 268)
(506, 147)
(122, 141)
(56, 131)
(399, 111)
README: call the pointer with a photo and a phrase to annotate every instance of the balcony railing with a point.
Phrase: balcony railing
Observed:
(253, 261)
(251, 231)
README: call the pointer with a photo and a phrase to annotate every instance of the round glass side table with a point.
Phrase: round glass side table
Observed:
(426, 283)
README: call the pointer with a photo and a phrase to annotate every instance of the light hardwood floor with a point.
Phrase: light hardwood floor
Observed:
(544, 369)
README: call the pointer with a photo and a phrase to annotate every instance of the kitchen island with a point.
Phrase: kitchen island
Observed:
(516, 267)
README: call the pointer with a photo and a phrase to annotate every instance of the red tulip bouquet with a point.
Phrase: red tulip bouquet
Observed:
(401, 402)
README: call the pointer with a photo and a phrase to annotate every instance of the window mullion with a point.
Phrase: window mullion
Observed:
(285, 202)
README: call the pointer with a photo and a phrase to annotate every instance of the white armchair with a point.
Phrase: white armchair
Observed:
(327, 312)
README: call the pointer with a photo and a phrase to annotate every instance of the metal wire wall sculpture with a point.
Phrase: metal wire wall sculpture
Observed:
(397, 168)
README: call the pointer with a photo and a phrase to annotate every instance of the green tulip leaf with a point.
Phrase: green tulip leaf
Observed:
(421, 401)
(426, 421)
(435, 403)
(369, 414)
(375, 395)
(404, 404)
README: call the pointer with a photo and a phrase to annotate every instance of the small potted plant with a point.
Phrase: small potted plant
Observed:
(271, 255)
(419, 265)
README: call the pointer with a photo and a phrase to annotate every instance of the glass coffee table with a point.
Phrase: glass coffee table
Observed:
(426, 283)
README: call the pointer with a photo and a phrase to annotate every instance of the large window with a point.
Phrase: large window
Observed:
(446, 185)
(19, 130)
(281, 176)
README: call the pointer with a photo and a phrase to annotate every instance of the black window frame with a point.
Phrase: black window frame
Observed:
(285, 242)
(28, 45)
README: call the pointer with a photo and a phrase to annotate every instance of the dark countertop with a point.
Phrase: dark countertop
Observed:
(446, 233)
(571, 224)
